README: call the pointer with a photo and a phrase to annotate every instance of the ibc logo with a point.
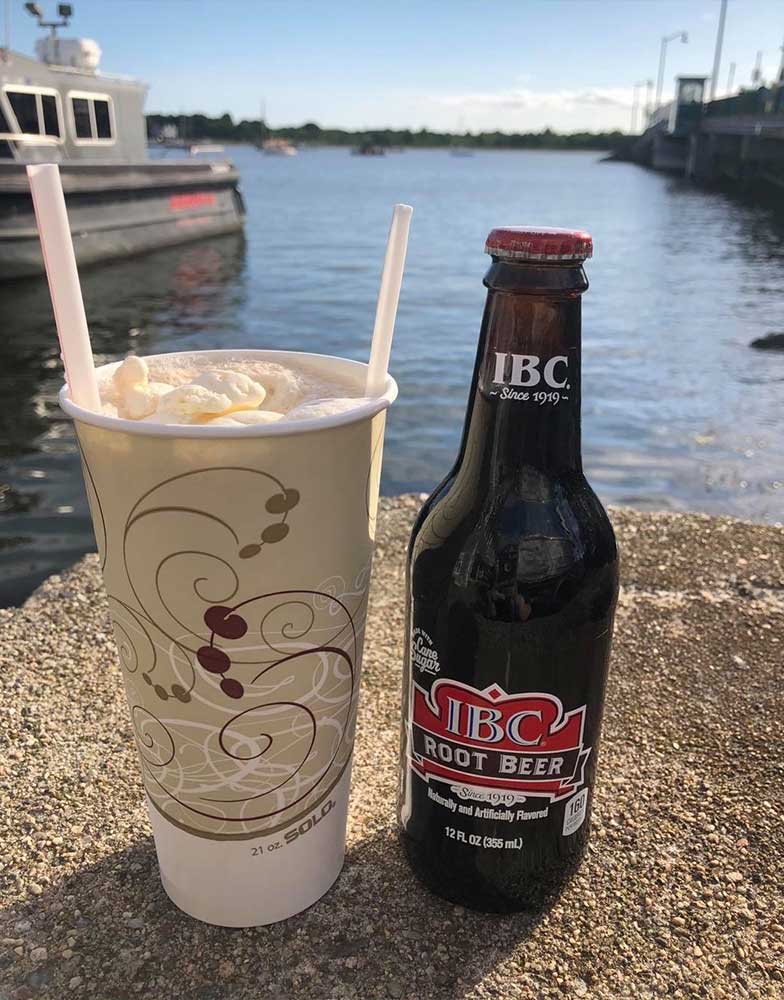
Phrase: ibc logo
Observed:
(525, 371)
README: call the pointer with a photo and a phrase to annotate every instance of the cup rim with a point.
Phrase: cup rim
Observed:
(280, 429)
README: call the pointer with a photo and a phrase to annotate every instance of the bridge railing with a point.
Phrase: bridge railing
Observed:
(764, 100)
(662, 114)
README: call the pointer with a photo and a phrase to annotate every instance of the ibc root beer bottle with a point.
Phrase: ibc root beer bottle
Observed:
(512, 585)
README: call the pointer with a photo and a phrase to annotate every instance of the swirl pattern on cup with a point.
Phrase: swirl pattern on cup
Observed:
(243, 702)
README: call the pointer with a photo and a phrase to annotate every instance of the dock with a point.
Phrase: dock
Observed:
(678, 895)
(736, 143)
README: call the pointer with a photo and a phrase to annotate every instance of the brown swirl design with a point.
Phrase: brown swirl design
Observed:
(274, 755)
(256, 695)
(231, 626)
(138, 643)
(155, 742)
(94, 502)
(211, 570)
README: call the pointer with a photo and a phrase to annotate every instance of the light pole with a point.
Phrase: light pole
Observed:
(730, 78)
(666, 39)
(635, 103)
(717, 52)
(756, 73)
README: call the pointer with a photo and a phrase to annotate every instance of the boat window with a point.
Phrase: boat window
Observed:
(92, 117)
(51, 120)
(103, 121)
(37, 113)
(81, 113)
(26, 111)
(690, 92)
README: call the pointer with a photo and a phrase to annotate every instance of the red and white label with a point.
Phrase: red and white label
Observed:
(491, 739)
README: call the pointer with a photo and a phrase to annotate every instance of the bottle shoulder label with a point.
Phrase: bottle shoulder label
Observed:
(527, 377)
(424, 655)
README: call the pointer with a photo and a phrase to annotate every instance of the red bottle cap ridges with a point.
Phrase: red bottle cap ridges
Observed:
(539, 243)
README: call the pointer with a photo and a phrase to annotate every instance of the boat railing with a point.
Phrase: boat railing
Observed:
(29, 138)
(94, 74)
(17, 142)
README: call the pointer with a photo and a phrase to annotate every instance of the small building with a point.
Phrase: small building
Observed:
(665, 145)
(686, 109)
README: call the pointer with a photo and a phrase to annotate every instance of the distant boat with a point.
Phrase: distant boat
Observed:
(269, 145)
(368, 149)
(278, 147)
(201, 148)
(191, 147)
(456, 148)
(60, 109)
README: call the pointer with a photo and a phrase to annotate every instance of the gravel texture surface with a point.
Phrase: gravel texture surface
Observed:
(680, 894)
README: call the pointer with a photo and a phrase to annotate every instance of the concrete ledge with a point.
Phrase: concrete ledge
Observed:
(679, 895)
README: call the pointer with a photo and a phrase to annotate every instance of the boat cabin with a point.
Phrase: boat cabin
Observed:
(60, 108)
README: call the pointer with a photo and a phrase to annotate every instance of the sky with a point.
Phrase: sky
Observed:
(476, 65)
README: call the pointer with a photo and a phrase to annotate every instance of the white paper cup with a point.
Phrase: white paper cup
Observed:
(237, 562)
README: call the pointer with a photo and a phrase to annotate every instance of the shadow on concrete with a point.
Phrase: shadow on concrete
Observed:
(377, 934)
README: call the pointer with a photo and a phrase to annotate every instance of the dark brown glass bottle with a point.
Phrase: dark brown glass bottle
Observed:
(512, 585)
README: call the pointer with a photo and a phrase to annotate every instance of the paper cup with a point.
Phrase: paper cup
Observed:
(236, 563)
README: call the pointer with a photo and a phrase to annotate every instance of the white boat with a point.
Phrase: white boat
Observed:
(203, 148)
(60, 108)
(278, 147)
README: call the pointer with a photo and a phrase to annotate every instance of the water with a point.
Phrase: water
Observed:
(679, 413)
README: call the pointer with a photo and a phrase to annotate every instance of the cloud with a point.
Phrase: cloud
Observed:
(525, 99)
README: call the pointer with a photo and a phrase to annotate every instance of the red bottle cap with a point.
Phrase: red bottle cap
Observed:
(539, 243)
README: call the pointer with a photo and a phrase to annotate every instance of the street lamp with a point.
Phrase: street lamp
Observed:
(717, 51)
(635, 103)
(666, 39)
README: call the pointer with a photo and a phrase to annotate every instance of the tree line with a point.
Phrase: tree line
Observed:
(225, 129)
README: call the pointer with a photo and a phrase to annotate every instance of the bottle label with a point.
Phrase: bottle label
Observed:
(497, 747)
(574, 814)
(424, 655)
(527, 377)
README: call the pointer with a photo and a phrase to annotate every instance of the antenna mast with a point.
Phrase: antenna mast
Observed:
(64, 11)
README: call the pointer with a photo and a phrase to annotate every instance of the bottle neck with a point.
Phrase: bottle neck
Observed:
(524, 412)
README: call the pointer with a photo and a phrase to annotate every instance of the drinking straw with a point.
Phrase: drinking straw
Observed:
(60, 263)
(389, 293)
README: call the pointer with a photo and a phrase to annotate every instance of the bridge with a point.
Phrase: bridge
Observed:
(735, 143)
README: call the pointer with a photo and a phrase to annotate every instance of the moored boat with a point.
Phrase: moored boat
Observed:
(368, 149)
(279, 147)
(59, 108)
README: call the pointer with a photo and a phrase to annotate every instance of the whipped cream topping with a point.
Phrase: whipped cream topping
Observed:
(184, 391)
(209, 396)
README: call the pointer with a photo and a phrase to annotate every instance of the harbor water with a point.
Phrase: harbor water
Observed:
(678, 412)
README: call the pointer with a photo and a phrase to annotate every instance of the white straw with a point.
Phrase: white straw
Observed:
(389, 293)
(60, 262)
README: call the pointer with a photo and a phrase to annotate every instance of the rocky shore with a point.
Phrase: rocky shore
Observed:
(680, 895)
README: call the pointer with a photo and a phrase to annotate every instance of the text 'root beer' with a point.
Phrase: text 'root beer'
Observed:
(512, 584)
